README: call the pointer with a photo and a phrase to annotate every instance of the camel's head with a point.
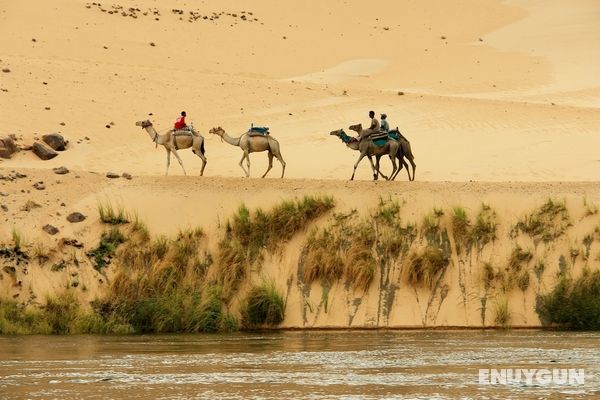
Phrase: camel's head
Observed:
(342, 135)
(355, 128)
(217, 131)
(144, 124)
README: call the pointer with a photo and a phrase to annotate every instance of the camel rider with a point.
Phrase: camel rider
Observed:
(180, 122)
(374, 128)
(385, 127)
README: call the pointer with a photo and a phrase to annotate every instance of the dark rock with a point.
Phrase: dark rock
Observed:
(4, 208)
(112, 175)
(52, 230)
(126, 175)
(60, 170)
(76, 217)
(39, 186)
(42, 151)
(72, 242)
(55, 141)
(7, 147)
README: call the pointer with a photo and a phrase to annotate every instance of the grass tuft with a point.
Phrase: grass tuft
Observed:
(547, 223)
(263, 306)
(572, 304)
(109, 215)
(502, 312)
(425, 265)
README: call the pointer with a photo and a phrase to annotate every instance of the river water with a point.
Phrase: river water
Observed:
(296, 365)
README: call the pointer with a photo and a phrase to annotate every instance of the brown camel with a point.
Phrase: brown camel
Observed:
(369, 149)
(173, 142)
(404, 150)
(251, 144)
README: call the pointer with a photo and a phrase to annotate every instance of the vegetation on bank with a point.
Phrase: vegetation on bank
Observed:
(249, 233)
(160, 284)
(573, 303)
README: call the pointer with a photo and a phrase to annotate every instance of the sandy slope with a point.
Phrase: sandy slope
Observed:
(480, 79)
(168, 204)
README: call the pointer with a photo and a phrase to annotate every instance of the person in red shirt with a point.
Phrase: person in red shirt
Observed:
(180, 123)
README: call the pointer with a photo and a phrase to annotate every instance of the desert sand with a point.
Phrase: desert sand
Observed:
(499, 100)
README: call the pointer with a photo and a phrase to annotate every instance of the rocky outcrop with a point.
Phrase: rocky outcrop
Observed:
(44, 152)
(7, 147)
(55, 141)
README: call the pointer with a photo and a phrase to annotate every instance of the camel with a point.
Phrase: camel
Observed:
(173, 142)
(251, 144)
(404, 150)
(369, 149)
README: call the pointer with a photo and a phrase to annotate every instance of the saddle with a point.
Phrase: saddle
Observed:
(396, 135)
(258, 131)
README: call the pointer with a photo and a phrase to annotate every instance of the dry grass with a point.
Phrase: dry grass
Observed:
(502, 312)
(424, 266)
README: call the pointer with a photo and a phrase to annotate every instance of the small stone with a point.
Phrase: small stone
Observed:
(112, 175)
(5, 70)
(60, 170)
(152, 44)
(126, 175)
(39, 186)
(49, 229)
(7, 147)
(400, 93)
(76, 217)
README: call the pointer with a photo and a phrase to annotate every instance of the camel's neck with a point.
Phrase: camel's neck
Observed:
(230, 140)
(159, 139)
(352, 144)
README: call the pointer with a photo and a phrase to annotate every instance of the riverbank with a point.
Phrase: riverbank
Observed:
(336, 254)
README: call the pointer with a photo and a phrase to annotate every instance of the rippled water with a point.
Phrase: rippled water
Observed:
(300, 365)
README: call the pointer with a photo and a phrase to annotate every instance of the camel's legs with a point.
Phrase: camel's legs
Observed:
(375, 170)
(356, 165)
(414, 168)
(270, 164)
(242, 164)
(180, 162)
(202, 157)
(168, 161)
(280, 158)
(394, 167)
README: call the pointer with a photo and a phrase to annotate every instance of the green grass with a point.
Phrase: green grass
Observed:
(109, 215)
(461, 228)
(101, 256)
(263, 306)
(17, 238)
(547, 223)
(573, 303)
(518, 258)
(484, 228)
(248, 233)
